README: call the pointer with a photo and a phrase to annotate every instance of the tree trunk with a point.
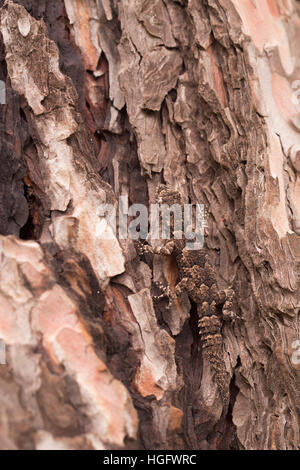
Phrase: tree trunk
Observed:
(108, 98)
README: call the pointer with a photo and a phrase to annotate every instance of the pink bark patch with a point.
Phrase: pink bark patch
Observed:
(146, 383)
(87, 47)
(55, 311)
(258, 21)
(217, 78)
(7, 321)
(282, 93)
(273, 7)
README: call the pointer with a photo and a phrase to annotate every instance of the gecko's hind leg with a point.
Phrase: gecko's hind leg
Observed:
(230, 308)
(166, 292)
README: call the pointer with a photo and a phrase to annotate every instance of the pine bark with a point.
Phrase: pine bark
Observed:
(108, 98)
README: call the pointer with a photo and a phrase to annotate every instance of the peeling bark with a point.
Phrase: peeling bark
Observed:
(112, 97)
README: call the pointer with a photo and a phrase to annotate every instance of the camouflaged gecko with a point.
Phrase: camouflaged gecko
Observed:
(198, 279)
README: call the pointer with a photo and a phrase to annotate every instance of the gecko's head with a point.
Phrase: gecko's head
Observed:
(167, 195)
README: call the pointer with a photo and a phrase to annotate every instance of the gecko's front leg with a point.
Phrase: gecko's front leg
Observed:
(166, 249)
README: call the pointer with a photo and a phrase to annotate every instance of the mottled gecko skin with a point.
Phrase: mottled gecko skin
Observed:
(198, 279)
(199, 282)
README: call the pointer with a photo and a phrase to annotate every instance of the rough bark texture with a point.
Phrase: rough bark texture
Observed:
(112, 97)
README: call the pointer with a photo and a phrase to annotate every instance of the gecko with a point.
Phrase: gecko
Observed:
(197, 277)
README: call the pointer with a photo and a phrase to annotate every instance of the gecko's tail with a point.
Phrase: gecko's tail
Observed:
(212, 347)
